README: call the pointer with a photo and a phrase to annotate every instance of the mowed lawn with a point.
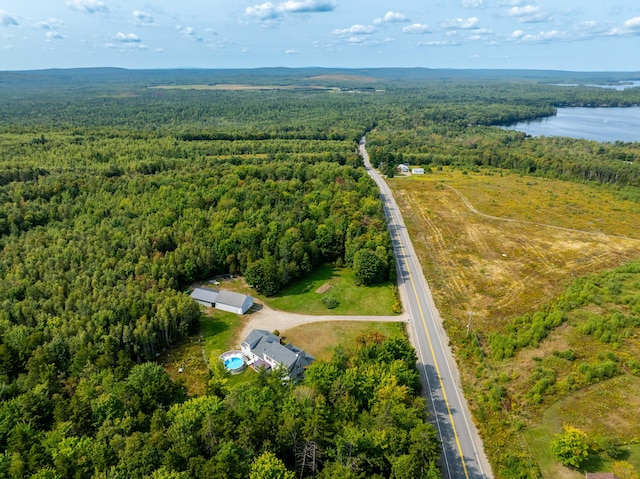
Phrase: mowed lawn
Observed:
(322, 339)
(351, 299)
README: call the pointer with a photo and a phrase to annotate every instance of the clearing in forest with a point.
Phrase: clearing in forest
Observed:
(528, 238)
(502, 245)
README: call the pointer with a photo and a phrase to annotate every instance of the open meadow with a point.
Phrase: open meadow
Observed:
(503, 246)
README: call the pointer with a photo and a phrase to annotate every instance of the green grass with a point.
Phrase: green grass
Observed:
(321, 339)
(218, 332)
(606, 409)
(352, 299)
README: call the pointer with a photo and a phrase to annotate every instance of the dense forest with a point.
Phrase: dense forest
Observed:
(117, 196)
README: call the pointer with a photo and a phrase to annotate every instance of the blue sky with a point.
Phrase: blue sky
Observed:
(587, 35)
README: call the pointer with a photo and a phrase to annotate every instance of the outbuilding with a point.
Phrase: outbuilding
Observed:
(224, 300)
(233, 302)
(418, 171)
(205, 296)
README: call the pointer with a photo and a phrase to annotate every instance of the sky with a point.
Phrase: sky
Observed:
(577, 35)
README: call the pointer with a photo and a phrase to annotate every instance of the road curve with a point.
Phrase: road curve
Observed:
(462, 452)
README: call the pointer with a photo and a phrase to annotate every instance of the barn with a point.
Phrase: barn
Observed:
(223, 300)
(233, 302)
(205, 296)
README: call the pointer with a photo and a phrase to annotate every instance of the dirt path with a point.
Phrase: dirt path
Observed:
(535, 223)
(262, 316)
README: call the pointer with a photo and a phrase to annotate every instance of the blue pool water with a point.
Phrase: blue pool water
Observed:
(233, 363)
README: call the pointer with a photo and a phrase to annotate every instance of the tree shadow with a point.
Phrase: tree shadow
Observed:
(594, 463)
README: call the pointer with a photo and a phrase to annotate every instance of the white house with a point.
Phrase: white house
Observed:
(223, 300)
(262, 348)
(418, 171)
(403, 168)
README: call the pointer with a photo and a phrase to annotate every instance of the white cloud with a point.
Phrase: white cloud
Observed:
(590, 29)
(271, 11)
(355, 30)
(517, 34)
(416, 28)
(190, 32)
(438, 43)
(127, 38)
(472, 3)
(542, 37)
(88, 6)
(633, 24)
(143, 18)
(53, 35)
(528, 14)
(51, 24)
(291, 52)
(391, 17)
(124, 46)
(464, 23)
(7, 20)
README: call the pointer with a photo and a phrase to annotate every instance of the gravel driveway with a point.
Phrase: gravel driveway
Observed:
(262, 316)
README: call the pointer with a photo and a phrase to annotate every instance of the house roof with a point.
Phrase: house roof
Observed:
(205, 294)
(263, 342)
(231, 298)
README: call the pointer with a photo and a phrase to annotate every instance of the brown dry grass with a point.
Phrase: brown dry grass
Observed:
(344, 78)
(321, 339)
(501, 245)
(500, 268)
(238, 87)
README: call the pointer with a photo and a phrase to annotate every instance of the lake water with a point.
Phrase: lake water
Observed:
(599, 124)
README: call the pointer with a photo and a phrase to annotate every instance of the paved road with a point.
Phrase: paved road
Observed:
(462, 452)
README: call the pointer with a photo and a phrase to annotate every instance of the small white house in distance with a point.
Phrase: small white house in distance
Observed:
(223, 300)
(403, 168)
(418, 171)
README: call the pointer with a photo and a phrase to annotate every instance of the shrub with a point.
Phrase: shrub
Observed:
(330, 302)
(571, 447)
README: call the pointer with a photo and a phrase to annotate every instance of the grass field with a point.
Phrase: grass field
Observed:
(502, 245)
(239, 87)
(301, 297)
(321, 339)
(606, 409)
(217, 330)
(499, 268)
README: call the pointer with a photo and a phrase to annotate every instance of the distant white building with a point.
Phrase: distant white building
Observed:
(224, 300)
(403, 168)
(418, 171)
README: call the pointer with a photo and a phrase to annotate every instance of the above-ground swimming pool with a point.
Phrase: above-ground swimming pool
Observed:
(233, 361)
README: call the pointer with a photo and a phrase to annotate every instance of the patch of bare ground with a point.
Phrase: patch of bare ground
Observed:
(344, 78)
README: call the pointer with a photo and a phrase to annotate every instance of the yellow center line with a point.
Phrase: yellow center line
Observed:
(426, 330)
(435, 362)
